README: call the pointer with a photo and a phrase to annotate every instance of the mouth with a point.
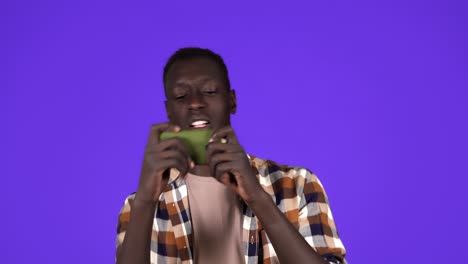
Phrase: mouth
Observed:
(199, 124)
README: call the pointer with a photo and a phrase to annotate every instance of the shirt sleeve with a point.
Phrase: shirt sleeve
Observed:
(316, 222)
(122, 224)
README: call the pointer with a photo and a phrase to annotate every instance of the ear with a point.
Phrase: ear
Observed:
(233, 99)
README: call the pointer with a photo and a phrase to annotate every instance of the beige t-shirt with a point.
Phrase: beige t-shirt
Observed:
(216, 221)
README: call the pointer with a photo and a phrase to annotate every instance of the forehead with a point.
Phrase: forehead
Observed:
(189, 71)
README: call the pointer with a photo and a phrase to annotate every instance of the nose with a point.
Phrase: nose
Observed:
(196, 102)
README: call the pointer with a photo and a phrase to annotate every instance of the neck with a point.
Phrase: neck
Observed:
(201, 170)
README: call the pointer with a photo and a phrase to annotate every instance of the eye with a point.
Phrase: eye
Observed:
(179, 97)
(209, 91)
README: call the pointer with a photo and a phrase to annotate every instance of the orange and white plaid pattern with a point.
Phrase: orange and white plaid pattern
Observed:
(296, 191)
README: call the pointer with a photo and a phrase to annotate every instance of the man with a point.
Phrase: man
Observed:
(237, 208)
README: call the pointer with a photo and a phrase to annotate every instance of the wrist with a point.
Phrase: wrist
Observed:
(261, 199)
(143, 203)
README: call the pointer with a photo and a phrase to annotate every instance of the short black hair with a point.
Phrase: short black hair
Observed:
(196, 52)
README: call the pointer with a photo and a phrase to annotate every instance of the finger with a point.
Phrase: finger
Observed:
(156, 158)
(225, 179)
(172, 154)
(180, 164)
(169, 154)
(225, 132)
(220, 158)
(183, 167)
(214, 161)
(155, 132)
(219, 170)
(174, 128)
(224, 147)
(223, 173)
(214, 148)
(173, 143)
(170, 148)
(177, 154)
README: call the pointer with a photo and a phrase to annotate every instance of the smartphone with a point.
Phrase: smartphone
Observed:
(195, 140)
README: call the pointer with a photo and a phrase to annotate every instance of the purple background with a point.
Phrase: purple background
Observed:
(370, 95)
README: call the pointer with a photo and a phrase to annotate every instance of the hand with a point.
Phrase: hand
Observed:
(230, 165)
(159, 158)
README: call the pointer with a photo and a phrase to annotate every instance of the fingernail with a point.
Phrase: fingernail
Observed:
(176, 128)
(192, 164)
(211, 140)
(223, 140)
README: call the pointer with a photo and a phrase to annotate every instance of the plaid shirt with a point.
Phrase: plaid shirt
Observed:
(296, 191)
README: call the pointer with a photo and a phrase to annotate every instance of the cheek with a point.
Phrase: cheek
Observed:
(175, 112)
(220, 111)
(220, 106)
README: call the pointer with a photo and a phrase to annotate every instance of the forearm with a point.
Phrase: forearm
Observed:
(288, 243)
(137, 241)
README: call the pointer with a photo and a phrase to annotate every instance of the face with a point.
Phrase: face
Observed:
(197, 95)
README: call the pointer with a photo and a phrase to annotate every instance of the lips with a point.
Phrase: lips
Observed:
(199, 122)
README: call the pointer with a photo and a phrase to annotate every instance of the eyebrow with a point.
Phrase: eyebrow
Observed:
(198, 81)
